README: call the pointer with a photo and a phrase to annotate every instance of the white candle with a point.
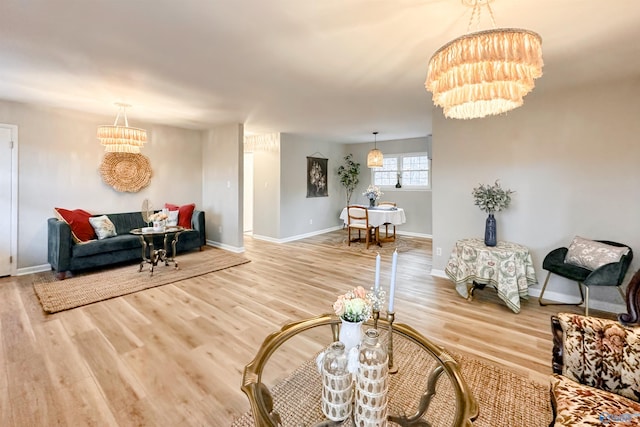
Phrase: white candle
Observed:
(376, 283)
(392, 287)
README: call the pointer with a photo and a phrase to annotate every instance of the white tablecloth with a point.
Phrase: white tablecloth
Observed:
(379, 216)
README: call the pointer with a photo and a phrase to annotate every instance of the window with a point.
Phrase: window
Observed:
(412, 170)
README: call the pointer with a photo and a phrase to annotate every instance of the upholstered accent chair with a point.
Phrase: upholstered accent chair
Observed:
(596, 367)
(358, 219)
(588, 263)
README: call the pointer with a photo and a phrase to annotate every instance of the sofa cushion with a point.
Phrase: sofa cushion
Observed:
(612, 352)
(117, 243)
(580, 405)
(127, 221)
(78, 220)
(173, 217)
(185, 213)
(103, 226)
(590, 254)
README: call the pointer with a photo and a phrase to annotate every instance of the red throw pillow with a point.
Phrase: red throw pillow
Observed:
(184, 213)
(78, 220)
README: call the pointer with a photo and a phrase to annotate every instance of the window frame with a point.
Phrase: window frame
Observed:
(399, 157)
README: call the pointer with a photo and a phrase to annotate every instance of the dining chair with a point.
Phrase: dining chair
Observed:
(388, 224)
(358, 219)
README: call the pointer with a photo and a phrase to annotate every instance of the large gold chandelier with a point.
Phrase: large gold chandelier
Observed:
(486, 72)
(121, 139)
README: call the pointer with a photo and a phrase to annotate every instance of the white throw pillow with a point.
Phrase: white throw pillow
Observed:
(590, 254)
(103, 226)
(173, 218)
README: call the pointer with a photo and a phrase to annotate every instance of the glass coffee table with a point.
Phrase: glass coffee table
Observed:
(284, 386)
(169, 237)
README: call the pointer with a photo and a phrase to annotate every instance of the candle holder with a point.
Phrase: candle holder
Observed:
(390, 318)
(376, 316)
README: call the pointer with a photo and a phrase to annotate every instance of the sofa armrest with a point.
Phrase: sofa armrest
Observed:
(557, 335)
(59, 243)
(197, 223)
(633, 302)
(600, 353)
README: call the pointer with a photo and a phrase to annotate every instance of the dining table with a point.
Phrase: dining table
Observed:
(380, 215)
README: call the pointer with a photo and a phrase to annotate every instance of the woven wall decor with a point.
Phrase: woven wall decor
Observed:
(126, 171)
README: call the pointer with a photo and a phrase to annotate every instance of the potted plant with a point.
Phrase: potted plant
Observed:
(490, 199)
(349, 174)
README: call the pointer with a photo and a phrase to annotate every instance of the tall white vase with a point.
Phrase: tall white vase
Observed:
(350, 334)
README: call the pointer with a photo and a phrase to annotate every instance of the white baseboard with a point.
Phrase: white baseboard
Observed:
(534, 292)
(298, 237)
(234, 249)
(33, 269)
(439, 273)
(412, 234)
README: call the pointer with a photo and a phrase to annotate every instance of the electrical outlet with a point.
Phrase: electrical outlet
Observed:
(438, 251)
(310, 222)
(219, 229)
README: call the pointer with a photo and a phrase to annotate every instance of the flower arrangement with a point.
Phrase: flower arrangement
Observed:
(158, 216)
(372, 193)
(492, 198)
(354, 306)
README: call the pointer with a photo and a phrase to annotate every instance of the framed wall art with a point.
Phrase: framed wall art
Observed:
(317, 177)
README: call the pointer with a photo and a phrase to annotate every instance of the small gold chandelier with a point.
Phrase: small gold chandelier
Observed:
(121, 139)
(374, 158)
(484, 73)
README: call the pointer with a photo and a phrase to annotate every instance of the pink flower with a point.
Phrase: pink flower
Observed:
(360, 292)
(338, 306)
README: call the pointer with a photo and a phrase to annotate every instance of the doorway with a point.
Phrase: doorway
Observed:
(8, 198)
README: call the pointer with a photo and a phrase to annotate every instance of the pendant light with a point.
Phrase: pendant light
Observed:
(121, 139)
(374, 158)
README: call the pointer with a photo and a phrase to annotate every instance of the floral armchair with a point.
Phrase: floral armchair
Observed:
(596, 365)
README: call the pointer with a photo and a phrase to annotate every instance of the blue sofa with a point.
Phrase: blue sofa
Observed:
(65, 255)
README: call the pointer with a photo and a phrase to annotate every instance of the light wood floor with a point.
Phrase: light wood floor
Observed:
(174, 355)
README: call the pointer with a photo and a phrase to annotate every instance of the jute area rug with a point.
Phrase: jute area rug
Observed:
(339, 240)
(58, 295)
(505, 399)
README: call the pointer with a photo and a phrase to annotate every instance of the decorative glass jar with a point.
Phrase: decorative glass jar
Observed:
(372, 383)
(336, 383)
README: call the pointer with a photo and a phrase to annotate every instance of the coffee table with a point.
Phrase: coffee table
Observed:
(427, 389)
(169, 236)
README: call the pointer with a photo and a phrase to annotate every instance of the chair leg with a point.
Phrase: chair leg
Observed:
(544, 287)
(349, 237)
(586, 304)
(367, 239)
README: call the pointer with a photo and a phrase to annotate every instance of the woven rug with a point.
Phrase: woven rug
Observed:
(504, 398)
(57, 295)
(338, 239)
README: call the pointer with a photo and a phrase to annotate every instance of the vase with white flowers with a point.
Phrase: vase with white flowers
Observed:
(353, 308)
(491, 199)
(373, 193)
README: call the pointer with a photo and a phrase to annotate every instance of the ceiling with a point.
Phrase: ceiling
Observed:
(332, 69)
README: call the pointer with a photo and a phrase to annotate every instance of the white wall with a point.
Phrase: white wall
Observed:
(571, 158)
(417, 204)
(300, 214)
(59, 159)
(266, 190)
(222, 185)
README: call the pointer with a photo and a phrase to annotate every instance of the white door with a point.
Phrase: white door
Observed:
(6, 208)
